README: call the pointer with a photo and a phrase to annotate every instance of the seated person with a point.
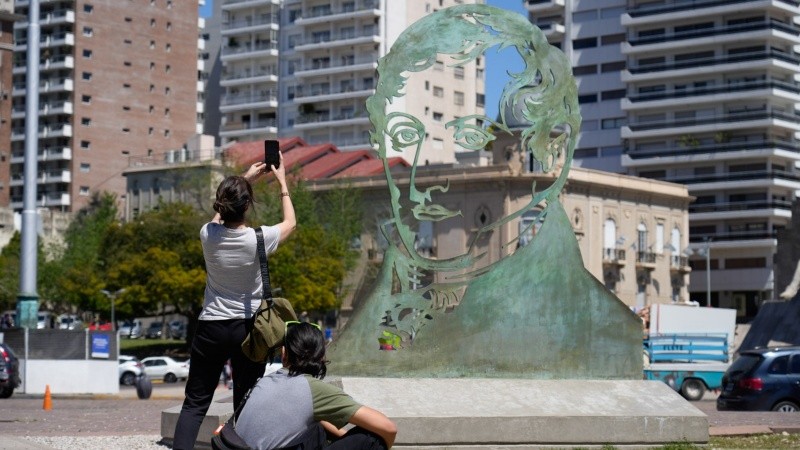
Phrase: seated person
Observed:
(286, 409)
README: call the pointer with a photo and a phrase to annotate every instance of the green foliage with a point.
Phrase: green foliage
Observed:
(10, 272)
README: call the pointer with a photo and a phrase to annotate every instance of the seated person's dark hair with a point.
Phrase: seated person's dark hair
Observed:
(305, 350)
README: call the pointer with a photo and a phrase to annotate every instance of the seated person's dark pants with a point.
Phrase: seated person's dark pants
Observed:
(355, 439)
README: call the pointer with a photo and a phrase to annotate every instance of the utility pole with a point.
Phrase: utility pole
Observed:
(28, 299)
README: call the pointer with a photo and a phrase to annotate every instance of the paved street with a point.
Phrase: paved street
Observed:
(126, 415)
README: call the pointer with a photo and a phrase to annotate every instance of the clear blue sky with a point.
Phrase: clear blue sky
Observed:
(497, 63)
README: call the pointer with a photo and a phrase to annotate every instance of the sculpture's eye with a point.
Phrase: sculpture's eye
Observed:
(468, 135)
(405, 134)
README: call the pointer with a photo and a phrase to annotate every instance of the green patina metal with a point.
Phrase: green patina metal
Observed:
(537, 313)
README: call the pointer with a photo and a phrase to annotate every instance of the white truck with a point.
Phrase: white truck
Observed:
(689, 347)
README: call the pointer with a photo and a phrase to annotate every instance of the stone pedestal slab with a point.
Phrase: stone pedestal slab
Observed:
(520, 414)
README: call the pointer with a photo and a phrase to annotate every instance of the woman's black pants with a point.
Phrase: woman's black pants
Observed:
(214, 343)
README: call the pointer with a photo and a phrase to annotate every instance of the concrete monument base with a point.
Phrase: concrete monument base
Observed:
(467, 414)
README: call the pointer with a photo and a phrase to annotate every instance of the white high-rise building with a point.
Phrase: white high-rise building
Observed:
(703, 93)
(306, 67)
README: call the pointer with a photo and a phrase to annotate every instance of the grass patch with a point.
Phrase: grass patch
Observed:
(142, 348)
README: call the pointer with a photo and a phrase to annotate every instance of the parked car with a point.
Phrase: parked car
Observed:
(153, 331)
(100, 325)
(69, 322)
(177, 329)
(9, 371)
(166, 368)
(766, 379)
(130, 368)
(43, 320)
(131, 329)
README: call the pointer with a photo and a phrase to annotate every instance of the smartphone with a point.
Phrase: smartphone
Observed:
(271, 155)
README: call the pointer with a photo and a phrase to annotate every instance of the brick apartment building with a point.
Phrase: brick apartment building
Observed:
(118, 79)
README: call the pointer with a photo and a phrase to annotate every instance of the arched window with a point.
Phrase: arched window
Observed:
(675, 240)
(642, 242)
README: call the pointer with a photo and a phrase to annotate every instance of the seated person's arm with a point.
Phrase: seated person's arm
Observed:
(331, 430)
(375, 421)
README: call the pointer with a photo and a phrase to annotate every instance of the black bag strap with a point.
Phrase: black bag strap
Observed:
(262, 257)
(235, 416)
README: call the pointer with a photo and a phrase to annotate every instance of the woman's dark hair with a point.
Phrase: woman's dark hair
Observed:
(305, 350)
(234, 196)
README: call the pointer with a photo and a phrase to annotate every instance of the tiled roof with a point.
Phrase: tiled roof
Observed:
(315, 162)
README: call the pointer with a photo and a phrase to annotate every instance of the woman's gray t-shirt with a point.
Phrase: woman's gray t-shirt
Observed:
(233, 272)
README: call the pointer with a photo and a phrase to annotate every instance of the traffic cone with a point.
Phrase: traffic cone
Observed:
(48, 401)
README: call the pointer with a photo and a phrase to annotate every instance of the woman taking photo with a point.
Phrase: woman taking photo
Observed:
(232, 295)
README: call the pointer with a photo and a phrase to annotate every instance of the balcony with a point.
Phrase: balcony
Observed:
(791, 59)
(49, 64)
(48, 86)
(746, 205)
(646, 260)
(723, 122)
(254, 127)
(543, 6)
(312, 16)
(716, 33)
(672, 6)
(47, 41)
(247, 51)
(56, 17)
(45, 201)
(755, 88)
(756, 279)
(45, 131)
(679, 264)
(553, 30)
(45, 154)
(250, 24)
(636, 157)
(614, 256)
(312, 95)
(311, 121)
(343, 66)
(45, 109)
(735, 236)
(366, 36)
(228, 5)
(266, 99)
(242, 76)
(737, 177)
(51, 176)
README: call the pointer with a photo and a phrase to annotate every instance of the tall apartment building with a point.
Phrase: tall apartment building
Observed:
(306, 67)
(7, 19)
(118, 79)
(702, 93)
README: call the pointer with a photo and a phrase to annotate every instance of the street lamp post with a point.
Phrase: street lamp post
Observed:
(113, 297)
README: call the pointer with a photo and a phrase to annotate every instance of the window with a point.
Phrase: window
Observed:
(166, 112)
(152, 45)
(584, 16)
(152, 22)
(169, 26)
(459, 73)
(126, 108)
(128, 19)
(641, 244)
(589, 69)
(610, 124)
(87, 31)
(126, 130)
(745, 263)
(168, 47)
(127, 41)
(438, 65)
(587, 98)
(150, 131)
(86, 99)
(152, 65)
(480, 99)
(438, 91)
(127, 63)
(86, 145)
(152, 88)
(168, 68)
(612, 39)
(167, 133)
(151, 109)
(84, 191)
(85, 167)
(610, 234)
(578, 44)
(437, 116)
(427, 85)
(126, 85)
(167, 90)
(659, 238)
(586, 152)
(616, 66)
(613, 95)
(87, 8)
(458, 98)
(87, 53)
(85, 121)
